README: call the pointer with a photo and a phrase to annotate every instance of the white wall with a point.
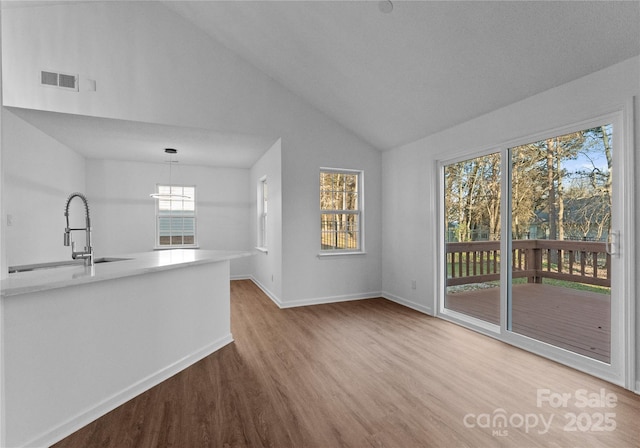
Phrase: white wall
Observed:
(409, 186)
(153, 66)
(267, 266)
(150, 65)
(3, 257)
(123, 215)
(39, 174)
(408, 223)
(308, 278)
(3, 252)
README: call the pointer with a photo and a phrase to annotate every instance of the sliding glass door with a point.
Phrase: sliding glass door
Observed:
(561, 223)
(472, 237)
(531, 245)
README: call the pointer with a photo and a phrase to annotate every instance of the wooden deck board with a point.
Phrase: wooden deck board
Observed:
(575, 320)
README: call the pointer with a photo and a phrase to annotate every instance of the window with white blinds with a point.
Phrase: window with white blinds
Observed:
(176, 222)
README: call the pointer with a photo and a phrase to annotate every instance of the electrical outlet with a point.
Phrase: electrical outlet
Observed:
(9, 220)
(413, 284)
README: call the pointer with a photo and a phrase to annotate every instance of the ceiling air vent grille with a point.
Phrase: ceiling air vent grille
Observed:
(60, 80)
(49, 78)
(67, 81)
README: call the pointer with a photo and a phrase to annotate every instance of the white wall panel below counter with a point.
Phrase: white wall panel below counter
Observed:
(85, 345)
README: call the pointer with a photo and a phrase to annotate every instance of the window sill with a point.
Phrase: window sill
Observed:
(175, 247)
(340, 254)
(264, 250)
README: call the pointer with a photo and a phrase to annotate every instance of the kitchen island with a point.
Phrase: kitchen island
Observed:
(79, 341)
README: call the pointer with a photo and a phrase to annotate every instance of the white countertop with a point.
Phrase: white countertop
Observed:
(135, 264)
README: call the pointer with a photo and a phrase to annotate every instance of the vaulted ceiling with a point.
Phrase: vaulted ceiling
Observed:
(395, 77)
(390, 78)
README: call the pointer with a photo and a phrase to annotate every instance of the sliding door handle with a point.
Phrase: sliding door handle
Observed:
(613, 244)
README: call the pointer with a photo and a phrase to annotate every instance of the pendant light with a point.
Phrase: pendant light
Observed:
(170, 195)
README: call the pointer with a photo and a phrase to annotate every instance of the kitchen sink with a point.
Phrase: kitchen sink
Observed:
(109, 260)
(60, 264)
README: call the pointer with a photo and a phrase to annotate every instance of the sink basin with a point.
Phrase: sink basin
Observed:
(60, 264)
(109, 260)
(37, 266)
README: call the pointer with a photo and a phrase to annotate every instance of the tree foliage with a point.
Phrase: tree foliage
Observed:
(340, 223)
(560, 189)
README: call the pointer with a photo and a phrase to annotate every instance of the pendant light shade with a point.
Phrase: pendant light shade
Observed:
(170, 195)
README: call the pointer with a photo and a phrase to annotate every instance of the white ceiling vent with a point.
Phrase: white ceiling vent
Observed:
(49, 78)
(61, 80)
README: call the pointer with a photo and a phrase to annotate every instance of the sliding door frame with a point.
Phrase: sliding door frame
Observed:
(471, 322)
(622, 369)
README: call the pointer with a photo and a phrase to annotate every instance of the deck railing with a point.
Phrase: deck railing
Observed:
(576, 261)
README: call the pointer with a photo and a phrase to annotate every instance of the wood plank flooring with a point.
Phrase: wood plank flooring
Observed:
(575, 320)
(365, 373)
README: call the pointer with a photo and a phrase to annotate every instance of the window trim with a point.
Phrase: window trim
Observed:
(360, 212)
(157, 245)
(262, 240)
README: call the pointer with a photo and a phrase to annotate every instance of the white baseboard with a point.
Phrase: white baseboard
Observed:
(408, 303)
(330, 299)
(313, 301)
(67, 428)
(266, 290)
(240, 277)
(637, 391)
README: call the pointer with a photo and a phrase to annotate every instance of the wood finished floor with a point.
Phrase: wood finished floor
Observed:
(366, 373)
(575, 320)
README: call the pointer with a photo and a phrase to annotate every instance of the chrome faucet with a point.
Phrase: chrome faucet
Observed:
(87, 253)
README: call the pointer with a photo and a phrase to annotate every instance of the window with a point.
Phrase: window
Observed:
(340, 211)
(263, 191)
(176, 217)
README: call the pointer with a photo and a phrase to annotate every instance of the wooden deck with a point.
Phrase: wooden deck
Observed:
(578, 321)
